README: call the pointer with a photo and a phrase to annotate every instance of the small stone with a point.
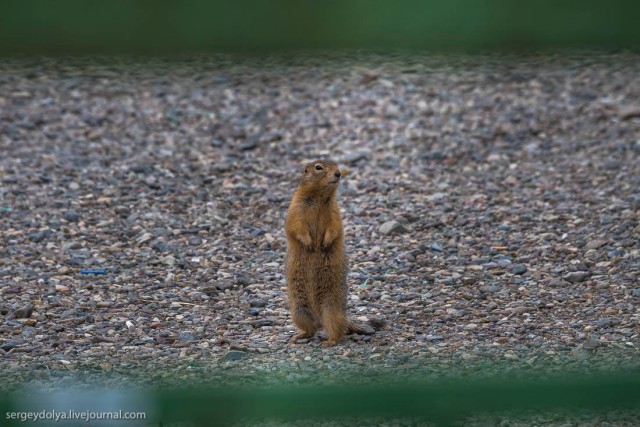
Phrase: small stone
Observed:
(629, 111)
(71, 216)
(248, 145)
(104, 304)
(617, 252)
(224, 285)
(391, 227)
(591, 344)
(165, 339)
(518, 269)
(257, 302)
(233, 355)
(576, 276)
(187, 336)
(263, 322)
(605, 323)
(595, 244)
(10, 344)
(469, 280)
(504, 263)
(62, 289)
(366, 329)
(194, 240)
(433, 338)
(36, 237)
(636, 293)
(210, 290)
(169, 260)
(490, 289)
(74, 246)
(355, 157)
(145, 237)
(254, 311)
(555, 283)
(23, 312)
(121, 210)
(436, 247)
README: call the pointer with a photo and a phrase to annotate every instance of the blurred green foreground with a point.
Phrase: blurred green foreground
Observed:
(441, 402)
(169, 27)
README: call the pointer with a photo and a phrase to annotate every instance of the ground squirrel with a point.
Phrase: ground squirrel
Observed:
(316, 265)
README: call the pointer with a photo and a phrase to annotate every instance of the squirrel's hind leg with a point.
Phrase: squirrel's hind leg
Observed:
(334, 322)
(303, 319)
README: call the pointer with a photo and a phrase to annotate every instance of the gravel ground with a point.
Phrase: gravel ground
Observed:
(491, 214)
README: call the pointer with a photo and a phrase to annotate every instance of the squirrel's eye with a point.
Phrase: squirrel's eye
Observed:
(318, 167)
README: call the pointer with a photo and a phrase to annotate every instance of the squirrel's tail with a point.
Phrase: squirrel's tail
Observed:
(362, 328)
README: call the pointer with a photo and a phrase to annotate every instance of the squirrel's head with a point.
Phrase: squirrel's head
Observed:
(321, 174)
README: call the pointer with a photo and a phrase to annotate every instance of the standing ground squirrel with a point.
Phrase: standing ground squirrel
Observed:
(316, 265)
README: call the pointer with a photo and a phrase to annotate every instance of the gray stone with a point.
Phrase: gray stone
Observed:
(490, 289)
(555, 283)
(436, 247)
(248, 145)
(71, 216)
(366, 329)
(391, 227)
(591, 344)
(254, 311)
(576, 276)
(257, 302)
(469, 280)
(187, 336)
(519, 269)
(224, 285)
(504, 263)
(23, 312)
(355, 157)
(9, 344)
(234, 355)
(595, 244)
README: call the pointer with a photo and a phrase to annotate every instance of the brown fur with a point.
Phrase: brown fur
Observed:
(316, 264)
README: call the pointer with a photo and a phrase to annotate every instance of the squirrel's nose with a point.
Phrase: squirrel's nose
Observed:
(337, 174)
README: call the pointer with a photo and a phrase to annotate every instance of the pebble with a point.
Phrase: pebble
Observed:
(595, 244)
(257, 302)
(62, 289)
(23, 312)
(576, 276)
(436, 247)
(71, 216)
(234, 355)
(519, 269)
(11, 343)
(248, 145)
(469, 280)
(187, 336)
(591, 344)
(393, 227)
(354, 157)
